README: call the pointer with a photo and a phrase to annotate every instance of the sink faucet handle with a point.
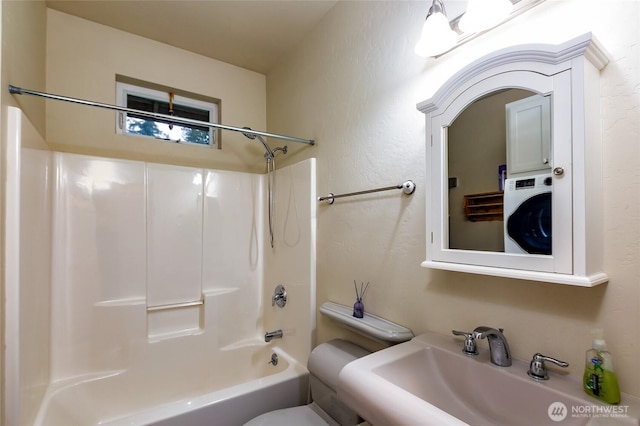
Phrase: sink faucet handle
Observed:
(469, 347)
(537, 369)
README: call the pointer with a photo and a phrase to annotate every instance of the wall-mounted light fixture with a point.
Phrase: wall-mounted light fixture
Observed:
(484, 14)
(439, 35)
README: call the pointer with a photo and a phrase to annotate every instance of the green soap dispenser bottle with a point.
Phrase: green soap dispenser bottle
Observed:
(600, 381)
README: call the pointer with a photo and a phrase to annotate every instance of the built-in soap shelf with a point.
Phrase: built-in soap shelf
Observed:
(370, 326)
(171, 320)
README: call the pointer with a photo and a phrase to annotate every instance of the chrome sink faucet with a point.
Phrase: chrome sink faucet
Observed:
(498, 346)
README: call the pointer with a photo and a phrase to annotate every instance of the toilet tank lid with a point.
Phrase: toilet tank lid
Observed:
(327, 359)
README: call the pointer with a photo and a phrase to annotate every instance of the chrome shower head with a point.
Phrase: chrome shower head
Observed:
(269, 154)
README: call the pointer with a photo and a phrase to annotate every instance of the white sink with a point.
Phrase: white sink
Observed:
(429, 381)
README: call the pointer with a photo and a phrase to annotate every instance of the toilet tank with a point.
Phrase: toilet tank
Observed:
(325, 363)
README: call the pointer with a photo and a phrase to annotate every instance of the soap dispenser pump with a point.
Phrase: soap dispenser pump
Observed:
(600, 380)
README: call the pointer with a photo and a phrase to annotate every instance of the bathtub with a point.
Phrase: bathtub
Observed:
(236, 386)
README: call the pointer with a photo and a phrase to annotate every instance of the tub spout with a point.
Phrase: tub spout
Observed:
(270, 335)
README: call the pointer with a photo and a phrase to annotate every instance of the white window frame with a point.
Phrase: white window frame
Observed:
(124, 89)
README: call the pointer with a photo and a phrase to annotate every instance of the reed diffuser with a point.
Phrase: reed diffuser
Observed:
(358, 307)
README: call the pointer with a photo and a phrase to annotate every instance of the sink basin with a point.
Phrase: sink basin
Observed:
(429, 381)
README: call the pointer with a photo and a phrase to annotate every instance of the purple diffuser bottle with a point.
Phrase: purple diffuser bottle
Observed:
(358, 307)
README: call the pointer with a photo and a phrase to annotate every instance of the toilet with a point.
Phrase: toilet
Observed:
(325, 363)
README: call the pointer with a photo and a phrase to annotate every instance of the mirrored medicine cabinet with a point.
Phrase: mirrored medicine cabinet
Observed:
(514, 165)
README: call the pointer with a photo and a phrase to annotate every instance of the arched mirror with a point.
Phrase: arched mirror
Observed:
(510, 140)
(510, 126)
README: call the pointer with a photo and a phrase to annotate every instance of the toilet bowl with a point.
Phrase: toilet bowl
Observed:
(325, 363)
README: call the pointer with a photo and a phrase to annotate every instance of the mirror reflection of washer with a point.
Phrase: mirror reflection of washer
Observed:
(527, 214)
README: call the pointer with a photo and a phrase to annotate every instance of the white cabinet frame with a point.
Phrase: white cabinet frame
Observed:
(569, 72)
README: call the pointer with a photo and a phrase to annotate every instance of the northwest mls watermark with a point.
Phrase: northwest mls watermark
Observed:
(557, 411)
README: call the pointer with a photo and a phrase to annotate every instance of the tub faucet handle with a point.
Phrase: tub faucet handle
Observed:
(279, 296)
(469, 347)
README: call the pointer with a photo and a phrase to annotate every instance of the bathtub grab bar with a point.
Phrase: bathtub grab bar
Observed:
(175, 305)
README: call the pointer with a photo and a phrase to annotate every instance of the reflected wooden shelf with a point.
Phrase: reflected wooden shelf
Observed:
(484, 207)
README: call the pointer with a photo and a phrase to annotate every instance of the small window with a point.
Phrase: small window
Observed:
(169, 103)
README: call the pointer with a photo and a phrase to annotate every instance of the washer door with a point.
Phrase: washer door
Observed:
(530, 224)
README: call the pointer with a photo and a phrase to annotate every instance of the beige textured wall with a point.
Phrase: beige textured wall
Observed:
(83, 59)
(23, 56)
(353, 85)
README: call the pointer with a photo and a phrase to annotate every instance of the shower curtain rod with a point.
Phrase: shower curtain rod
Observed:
(20, 91)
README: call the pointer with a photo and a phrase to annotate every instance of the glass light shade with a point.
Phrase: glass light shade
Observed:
(437, 36)
(484, 14)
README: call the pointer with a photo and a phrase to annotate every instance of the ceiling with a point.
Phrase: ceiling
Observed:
(251, 34)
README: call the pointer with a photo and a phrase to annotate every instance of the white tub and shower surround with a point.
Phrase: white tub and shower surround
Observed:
(121, 228)
(293, 259)
(231, 387)
(174, 234)
(96, 245)
(118, 238)
(27, 269)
